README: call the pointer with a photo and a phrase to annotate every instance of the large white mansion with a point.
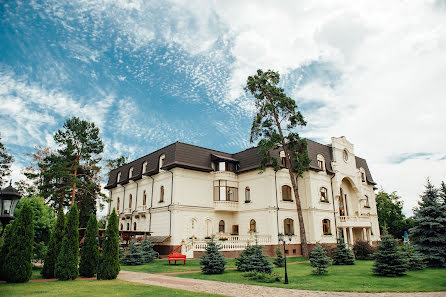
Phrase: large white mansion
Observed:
(183, 194)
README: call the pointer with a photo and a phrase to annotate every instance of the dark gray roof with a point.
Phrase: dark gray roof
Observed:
(194, 157)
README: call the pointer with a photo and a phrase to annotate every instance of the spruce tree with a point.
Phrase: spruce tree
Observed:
(319, 260)
(90, 255)
(415, 261)
(213, 262)
(389, 261)
(110, 253)
(149, 254)
(134, 257)
(279, 261)
(343, 255)
(429, 231)
(54, 247)
(252, 259)
(68, 258)
(17, 267)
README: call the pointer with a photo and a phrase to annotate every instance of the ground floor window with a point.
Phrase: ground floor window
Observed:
(326, 227)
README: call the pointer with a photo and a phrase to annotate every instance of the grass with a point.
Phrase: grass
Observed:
(355, 278)
(91, 288)
(162, 266)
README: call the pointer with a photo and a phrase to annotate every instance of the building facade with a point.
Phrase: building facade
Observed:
(184, 194)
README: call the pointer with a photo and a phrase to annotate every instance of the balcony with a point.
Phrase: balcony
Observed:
(142, 208)
(225, 175)
(223, 205)
(354, 221)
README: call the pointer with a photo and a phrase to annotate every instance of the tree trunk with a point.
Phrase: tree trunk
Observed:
(73, 192)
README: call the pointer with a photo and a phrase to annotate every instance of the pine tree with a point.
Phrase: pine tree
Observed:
(54, 247)
(415, 260)
(149, 254)
(443, 193)
(110, 253)
(17, 267)
(389, 261)
(68, 258)
(279, 261)
(213, 262)
(319, 260)
(134, 257)
(343, 255)
(90, 255)
(429, 231)
(252, 259)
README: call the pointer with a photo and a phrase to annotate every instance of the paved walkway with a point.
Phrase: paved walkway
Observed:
(242, 290)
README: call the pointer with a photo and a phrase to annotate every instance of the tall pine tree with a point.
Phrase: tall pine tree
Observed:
(90, 254)
(68, 259)
(429, 232)
(54, 247)
(110, 253)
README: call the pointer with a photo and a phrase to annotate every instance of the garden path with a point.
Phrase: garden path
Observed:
(242, 290)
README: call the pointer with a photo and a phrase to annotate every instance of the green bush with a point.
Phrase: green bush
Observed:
(17, 267)
(148, 253)
(389, 261)
(319, 260)
(262, 276)
(68, 259)
(415, 260)
(252, 259)
(213, 262)
(342, 255)
(134, 257)
(54, 247)
(90, 255)
(279, 261)
(7, 237)
(363, 250)
(110, 254)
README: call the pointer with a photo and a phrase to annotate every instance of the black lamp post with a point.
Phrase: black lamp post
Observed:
(283, 240)
(9, 197)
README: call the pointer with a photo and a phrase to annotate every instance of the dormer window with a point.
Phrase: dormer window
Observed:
(131, 172)
(321, 162)
(345, 154)
(144, 167)
(161, 161)
(119, 177)
(283, 159)
(363, 177)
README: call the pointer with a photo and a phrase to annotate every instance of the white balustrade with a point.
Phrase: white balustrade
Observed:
(226, 205)
(229, 242)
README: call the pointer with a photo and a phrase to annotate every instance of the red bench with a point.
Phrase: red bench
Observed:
(176, 256)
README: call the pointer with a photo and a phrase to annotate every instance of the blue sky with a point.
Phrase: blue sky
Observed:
(149, 73)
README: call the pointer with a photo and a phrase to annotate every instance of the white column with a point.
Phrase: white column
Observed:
(369, 235)
(364, 235)
(350, 233)
(344, 233)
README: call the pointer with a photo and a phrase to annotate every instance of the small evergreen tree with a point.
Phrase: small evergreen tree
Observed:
(134, 257)
(363, 250)
(7, 236)
(252, 259)
(149, 254)
(415, 260)
(279, 261)
(343, 255)
(68, 258)
(54, 247)
(213, 262)
(17, 267)
(429, 231)
(319, 260)
(110, 253)
(90, 254)
(389, 261)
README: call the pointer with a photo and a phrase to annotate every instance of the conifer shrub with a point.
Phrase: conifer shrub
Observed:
(363, 250)
(148, 253)
(54, 247)
(213, 262)
(134, 256)
(279, 261)
(343, 255)
(5, 247)
(415, 260)
(252, 259)
(110, 253)
(17, 267)
(68, 258)
(262, 276)
(389, 261)
(90, 254)
(319, 260)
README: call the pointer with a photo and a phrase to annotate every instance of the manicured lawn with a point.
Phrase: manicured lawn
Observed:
(358, 278)
(90, 288)
(161, 266)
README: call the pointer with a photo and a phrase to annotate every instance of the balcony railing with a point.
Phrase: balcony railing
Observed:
(227, 243)
(225, 175)
(224, 205)
(354, 220)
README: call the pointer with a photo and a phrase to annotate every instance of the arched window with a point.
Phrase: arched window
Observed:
(144, 198)
(366, 201)
(345, 154)
(326, 227)
(122, 226)
(321, 162)
(131, 172)
(134, 226)
(128, 226)
(252, 226)
(221, 226)
(324, 194)
(117, 206)
(130, 200)
(144, 167)
(286, 193)
(162, 194)
(118, 179)
(247, 195)
(288, 226)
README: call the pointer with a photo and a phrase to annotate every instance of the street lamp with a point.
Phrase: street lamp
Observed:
(9, 197)
(283, 240)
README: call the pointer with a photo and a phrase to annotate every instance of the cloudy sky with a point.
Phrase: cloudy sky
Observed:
(149, 73)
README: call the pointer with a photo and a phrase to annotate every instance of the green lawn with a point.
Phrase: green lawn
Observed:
(161, 266)
(357, 278)
(91, 288)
